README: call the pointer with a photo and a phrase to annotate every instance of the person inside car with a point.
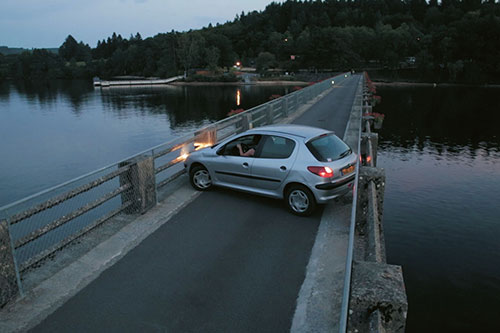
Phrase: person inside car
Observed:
(248, 153)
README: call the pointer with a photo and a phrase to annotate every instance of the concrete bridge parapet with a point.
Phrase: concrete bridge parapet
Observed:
(378, 297)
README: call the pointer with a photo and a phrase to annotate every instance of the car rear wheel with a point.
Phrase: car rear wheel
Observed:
(300, 200)
(200, 178)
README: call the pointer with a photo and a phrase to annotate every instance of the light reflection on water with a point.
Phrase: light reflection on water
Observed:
(441, 208)
(54, 131)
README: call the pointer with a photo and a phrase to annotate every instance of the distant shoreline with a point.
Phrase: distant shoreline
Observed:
(239, 83)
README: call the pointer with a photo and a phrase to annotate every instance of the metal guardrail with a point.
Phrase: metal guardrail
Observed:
(350, 248)
(41, 224)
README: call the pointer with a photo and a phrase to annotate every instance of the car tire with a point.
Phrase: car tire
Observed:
(199, 178)
(300, 200)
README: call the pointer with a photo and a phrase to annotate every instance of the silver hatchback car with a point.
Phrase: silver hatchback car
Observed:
(301, 164)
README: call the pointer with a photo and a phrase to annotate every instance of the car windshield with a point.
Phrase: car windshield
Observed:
(328, 148)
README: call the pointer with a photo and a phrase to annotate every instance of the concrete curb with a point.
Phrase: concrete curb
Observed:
(320, 298)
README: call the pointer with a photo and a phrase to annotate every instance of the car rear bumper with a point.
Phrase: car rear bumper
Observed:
(328, 191)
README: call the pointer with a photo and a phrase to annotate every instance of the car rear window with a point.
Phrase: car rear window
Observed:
(328, 148)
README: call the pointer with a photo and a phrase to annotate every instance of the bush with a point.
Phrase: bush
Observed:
(216, 78)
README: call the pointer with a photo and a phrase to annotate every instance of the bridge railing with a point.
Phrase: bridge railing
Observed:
(34, 228)
(374, 297)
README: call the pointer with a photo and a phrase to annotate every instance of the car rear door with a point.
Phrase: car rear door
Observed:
(273, 162)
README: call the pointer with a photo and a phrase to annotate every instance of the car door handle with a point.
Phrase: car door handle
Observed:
(283, 168)
(245, 165)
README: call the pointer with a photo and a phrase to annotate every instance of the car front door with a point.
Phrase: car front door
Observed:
(274, 160)
(231, 169)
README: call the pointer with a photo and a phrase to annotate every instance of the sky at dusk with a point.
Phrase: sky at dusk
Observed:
(46, 23)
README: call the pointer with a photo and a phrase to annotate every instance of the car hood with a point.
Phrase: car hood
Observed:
(208, 151)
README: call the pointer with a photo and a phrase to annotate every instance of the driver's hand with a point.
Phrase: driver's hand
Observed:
(240, 149)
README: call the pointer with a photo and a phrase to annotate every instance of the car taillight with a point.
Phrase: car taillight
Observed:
(324, 172)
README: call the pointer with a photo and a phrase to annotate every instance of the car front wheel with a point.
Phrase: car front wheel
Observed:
(300, 200)
(200, 178)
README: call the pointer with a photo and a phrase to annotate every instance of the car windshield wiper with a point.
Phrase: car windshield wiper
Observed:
(347, 152)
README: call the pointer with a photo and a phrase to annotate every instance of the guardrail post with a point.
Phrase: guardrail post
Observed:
(373, 138)
(9, 279)
(285, 107)
(367, 108)
(293, 106)
(246, 122)
(141, 175)
(269, 111)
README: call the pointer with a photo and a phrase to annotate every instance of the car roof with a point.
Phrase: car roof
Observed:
(306, 132)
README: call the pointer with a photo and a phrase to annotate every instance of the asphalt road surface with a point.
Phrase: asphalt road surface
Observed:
(227, 262)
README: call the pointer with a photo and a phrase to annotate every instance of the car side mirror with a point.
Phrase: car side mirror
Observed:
(220, 151)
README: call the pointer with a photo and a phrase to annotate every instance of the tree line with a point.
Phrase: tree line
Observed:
(459, 40)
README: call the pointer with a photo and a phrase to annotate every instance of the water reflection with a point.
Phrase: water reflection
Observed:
(440, 150)
(448, 120)
(47, 92)
(182, 104)
(426, 146)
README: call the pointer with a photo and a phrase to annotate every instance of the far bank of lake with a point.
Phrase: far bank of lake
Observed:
(241, 83)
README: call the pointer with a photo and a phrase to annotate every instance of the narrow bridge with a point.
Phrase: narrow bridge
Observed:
(183, 261)
(135, 82)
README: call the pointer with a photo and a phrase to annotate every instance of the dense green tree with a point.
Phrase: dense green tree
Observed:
(190, 50)
(71, 49)
(265, 60)
(37, 64)
(212, 55)
(3, 67)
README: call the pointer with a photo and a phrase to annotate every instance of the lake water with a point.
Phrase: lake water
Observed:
(441, 151)
(57, 130)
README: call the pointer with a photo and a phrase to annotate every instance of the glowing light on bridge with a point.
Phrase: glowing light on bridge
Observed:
(199, 145)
